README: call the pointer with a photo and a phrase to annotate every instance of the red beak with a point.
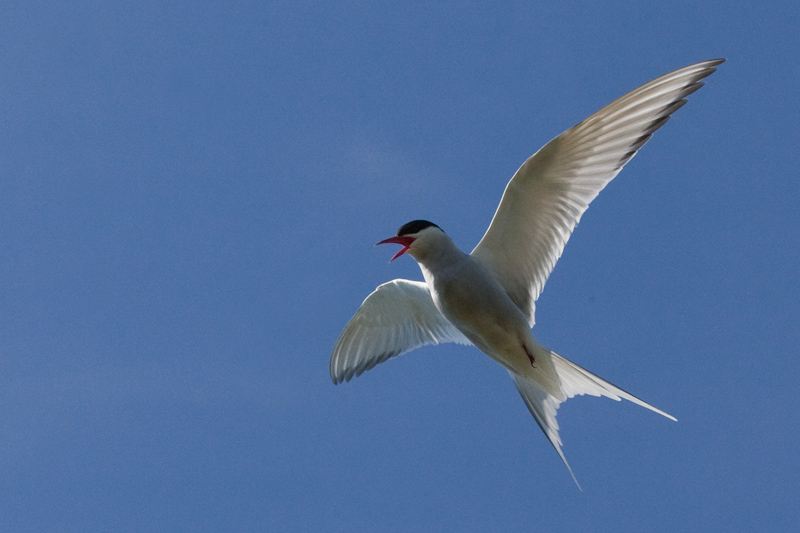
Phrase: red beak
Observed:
(404, 241)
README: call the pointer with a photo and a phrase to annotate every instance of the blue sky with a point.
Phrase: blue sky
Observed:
(189, 200)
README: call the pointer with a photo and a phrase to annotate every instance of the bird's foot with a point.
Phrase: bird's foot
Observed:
(530, 356)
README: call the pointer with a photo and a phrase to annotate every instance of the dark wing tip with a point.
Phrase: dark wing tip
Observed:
(346, 374)
(711, 66)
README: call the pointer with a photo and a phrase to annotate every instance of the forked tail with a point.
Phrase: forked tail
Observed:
(575, 381)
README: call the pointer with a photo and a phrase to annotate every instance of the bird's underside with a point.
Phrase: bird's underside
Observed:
(487, 298)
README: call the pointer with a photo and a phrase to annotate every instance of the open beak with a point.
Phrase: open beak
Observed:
(404, 241)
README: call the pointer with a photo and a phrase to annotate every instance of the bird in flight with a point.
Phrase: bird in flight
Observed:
(487, 298)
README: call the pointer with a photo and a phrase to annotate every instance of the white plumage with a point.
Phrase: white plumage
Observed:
(487, 298)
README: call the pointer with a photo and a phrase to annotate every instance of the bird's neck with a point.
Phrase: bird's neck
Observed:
(441, 256)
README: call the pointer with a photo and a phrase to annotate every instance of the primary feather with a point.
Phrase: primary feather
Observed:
(547, 196)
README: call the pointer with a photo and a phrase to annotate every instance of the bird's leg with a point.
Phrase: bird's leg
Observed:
(530, 356)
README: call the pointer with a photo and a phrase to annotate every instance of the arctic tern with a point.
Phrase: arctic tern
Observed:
(487, 298)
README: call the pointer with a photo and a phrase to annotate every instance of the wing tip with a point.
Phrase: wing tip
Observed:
(336, 376)
(709, 67)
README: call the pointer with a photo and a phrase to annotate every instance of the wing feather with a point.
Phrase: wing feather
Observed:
(396, 318)
(547, 196)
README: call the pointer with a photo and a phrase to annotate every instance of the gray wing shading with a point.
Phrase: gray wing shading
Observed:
(396, 318)
(547, 196)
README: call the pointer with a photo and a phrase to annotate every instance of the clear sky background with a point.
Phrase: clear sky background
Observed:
(189, 198)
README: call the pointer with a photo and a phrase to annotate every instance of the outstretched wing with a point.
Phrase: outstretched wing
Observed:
(396, 318)
(547, 196)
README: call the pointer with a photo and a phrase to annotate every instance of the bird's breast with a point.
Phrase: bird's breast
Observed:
(480, 308)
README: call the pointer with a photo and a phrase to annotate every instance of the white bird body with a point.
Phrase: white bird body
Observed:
(479, 307)
(487, 298)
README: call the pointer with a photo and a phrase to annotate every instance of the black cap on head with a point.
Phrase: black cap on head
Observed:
(415, 226)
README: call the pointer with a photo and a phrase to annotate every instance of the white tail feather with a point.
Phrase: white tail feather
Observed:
(575, 381)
